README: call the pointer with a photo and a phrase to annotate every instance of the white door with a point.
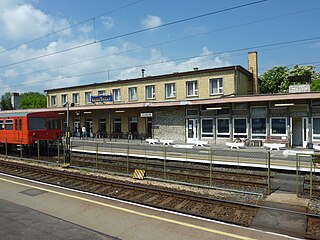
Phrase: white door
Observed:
(192, 130)
(305, 131)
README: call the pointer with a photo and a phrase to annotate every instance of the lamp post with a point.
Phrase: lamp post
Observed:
(67, 158)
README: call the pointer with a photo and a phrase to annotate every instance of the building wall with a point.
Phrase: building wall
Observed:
(169, 123)
(232, 79)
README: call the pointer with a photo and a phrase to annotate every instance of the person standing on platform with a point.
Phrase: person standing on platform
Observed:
(84, 132)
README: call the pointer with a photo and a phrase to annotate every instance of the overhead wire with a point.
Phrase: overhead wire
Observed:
(135, 32)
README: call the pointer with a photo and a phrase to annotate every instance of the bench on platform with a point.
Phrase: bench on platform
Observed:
(275, 146)
(236, 145)
(199, 143)
(182, 146)
(166, 142)
(152, 141)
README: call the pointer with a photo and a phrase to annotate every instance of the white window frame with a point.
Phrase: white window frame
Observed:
(315, 136)
(194, 88)
(240, 135)
(219, 86)
(53, 100)
(207, 134)
(276, 134)
(116, 93)
(258, 135)
(172, 89)
(153, 91)
(224, 135)
(101, 92)
(76, 98)
(64, 98)
(87, 97)
(133, 96)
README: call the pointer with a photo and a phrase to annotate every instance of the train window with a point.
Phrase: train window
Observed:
(20, 124)
(53, 123)
(16, 124)
(1, 124)
(36, 123)
(9, 124)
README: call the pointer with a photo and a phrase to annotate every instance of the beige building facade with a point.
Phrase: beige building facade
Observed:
(216, 105)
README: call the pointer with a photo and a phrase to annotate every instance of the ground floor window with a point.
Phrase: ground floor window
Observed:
(223, 130)
(117, 125)
(279, 126)
(206, 128)
(240, 128)
(133, 124)
(316, 128)
(102, 125)
(258, 128)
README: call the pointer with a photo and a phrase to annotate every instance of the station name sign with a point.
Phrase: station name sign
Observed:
(145, 114)
(101, 98)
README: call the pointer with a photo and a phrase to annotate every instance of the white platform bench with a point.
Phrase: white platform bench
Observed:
(166, 142)
(152, 141)
(200, 143)
(182, 146)
(275, 146)
(236, 145)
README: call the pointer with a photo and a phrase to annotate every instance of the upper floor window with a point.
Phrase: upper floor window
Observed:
(116, 95)
(150, 92)
(133, 93)
(87, 96)
(101, 92)
(170, 90)
(64, 98)
(53, 100)
(192, 88)
(216, 86)
(75, 98)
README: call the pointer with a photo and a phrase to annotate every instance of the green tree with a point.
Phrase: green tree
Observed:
(33, 100)
(5, 103)
(274, 80)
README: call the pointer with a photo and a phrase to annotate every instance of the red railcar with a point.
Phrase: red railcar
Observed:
(17, 127)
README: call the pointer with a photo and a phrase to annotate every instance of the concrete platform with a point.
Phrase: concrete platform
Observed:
(93, 217)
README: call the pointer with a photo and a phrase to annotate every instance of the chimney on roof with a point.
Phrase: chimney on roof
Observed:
(253, 68)
(142, 72)
(195, 69)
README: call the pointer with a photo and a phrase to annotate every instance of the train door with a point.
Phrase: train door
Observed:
(18, 137)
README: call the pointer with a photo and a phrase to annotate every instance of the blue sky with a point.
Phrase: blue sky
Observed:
(30, 29)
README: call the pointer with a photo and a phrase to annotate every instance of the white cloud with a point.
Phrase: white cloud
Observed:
(20, 22)
(151, 21)
(107, 22)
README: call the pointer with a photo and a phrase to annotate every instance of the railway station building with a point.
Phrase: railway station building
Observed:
(216, 105)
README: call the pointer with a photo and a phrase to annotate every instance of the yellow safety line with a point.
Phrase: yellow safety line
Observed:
(132, 211)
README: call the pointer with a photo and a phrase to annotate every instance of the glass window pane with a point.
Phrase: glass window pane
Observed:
(207, 125)
(278, 125)
(223, 125)
(259, 125)
(240, 125)
(316, 125)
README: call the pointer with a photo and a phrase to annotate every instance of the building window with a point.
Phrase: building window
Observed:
(116, 95)
(75, 98)
(240, 128)
(278, 126)
(206, 128)
(133, 93)
(216, 86)
(316, 128)
(101, 92)
(192, 88)
(9, 124)
(170, 90)
(150, 92)
(117, 125)
(64, 98)
(133, 124)
(53, 100)
(258, 128)
(87, 96)
(102, 125)
(223, 130)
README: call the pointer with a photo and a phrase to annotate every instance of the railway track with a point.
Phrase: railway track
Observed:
(178, 201)
(183, 172)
